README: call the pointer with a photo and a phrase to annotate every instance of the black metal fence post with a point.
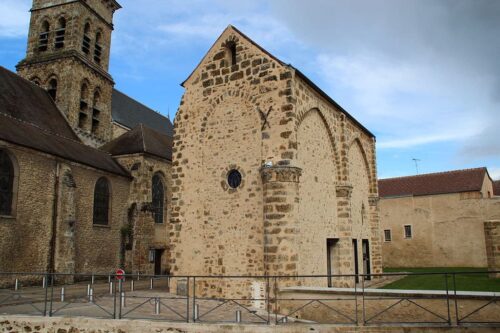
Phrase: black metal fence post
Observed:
(114, 297)
(447, 298)
(356, 300)
(120, 297)
(51, 294)
(187, 300)
(268, 296)
(194, 299)
(455, 296)
(276, 300)
(45, 279)
(363, 295)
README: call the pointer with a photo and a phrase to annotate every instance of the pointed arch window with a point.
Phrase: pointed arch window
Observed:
(82, 116)
(6, 183)
(43, 37)
(98, 48)
(86, 39)
(60, 33)
(101, 202)
(158, 198)
(52, 89)
(96, 112)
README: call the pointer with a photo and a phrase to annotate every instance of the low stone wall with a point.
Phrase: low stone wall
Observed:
(88, 325)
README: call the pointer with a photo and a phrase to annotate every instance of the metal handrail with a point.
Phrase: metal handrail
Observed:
(44, 297)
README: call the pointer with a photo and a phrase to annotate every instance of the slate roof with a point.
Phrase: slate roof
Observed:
(457, 181)
(496, 187)
(299, 74)
(130, 113)
(141, 139)
(27, 102)
(29, 118)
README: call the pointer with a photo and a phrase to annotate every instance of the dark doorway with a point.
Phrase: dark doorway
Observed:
(158, 254)
(366, 259)
(332, 259)
(355, 249)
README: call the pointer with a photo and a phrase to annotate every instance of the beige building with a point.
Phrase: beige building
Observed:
(439, 219)
(265, 174)
(270, 175)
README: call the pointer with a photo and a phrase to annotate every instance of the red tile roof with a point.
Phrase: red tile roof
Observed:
(433, 183)
(496, 187)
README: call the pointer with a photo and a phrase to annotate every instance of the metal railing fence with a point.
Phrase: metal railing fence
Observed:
(276, 300)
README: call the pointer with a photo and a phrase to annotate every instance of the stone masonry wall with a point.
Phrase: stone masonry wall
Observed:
(88, 325)
(146, 234)
(318, 202)
(71, 74)
(348, 164)
(25, 236)
(219, 127)
(80, 246)
(432, 217)
(71, 67)
(98, 247)
(77, 15)
(492, 241)
(252, 116)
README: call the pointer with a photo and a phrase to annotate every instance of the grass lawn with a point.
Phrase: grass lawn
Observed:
(469, 282)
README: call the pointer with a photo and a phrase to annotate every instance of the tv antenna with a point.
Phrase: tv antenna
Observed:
(416, 160)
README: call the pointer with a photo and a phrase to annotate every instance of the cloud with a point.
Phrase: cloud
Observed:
(485, 143)
(14, 18)
(417, 140)
(406, 104)
(494, 173)
(415, 71)
(193, 20)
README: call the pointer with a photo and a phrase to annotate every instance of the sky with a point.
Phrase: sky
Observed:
(422, 75)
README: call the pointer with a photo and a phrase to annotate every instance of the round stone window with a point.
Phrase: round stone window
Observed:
(234, 178)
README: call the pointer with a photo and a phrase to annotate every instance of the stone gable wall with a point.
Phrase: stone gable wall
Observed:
(255, 117)
(216, 229)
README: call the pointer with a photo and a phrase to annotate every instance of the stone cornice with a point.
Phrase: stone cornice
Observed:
(63, 55)
(109, 24)
(373, 200)
(343, 190)
(279, 173)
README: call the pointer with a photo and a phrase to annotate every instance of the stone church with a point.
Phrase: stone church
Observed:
(262, 172)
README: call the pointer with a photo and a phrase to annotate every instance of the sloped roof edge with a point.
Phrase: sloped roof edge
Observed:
(297, 71)
(454, 181)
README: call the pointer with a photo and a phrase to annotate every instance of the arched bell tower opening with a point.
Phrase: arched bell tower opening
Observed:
(71, 41)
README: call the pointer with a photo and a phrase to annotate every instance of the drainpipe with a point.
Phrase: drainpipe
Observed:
(53, 231)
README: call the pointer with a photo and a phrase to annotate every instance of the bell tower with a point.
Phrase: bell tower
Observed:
(68, 55)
